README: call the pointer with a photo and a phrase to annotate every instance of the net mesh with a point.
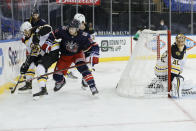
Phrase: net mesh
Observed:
(146, 73)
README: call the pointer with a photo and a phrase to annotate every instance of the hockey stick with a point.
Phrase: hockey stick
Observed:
(14, 89)
(47, 74)
(185, 92)
(35, 4)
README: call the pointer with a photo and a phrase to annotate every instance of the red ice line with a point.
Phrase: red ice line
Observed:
(184, 111)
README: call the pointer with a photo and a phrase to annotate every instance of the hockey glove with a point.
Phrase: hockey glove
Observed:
(94, 59)
(43, 30)
(35, 49)
(24, 68)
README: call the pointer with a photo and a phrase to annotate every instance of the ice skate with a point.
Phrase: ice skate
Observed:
(94, 90)
(40, 93)
(27, 88)
(84, 84)
(59, 85)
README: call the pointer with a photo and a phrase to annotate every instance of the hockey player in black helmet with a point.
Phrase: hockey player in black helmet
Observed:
(35, 19)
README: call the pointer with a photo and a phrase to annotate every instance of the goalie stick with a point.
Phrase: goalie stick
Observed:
(186, 92)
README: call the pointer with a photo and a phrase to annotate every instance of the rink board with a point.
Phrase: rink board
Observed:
(112, 48)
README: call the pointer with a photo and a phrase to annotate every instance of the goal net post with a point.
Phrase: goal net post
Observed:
(148, 72)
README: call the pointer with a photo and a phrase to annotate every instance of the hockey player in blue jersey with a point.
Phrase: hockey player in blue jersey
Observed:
(72, 46)
(35, 19)
(81, 18)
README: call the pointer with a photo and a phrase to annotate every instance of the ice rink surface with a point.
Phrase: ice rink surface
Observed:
(73, 109)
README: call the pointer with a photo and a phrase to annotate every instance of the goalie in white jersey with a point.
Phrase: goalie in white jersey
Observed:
(178, 51)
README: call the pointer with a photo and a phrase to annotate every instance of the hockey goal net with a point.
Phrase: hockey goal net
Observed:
(148, 70)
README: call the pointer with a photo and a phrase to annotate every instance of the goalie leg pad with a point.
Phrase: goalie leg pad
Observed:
(177, 85)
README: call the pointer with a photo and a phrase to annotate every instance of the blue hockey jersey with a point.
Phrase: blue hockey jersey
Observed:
(71, 45)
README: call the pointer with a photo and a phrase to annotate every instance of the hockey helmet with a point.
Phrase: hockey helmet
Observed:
(35, 11)
(25, 26)
(80, 18)
(74, 24)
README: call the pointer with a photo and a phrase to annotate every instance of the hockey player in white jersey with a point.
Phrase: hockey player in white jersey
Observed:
(178, 51)
(47, 53)
(178, 59)
(33, 54)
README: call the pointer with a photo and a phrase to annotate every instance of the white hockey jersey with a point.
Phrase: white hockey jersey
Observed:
(177, 65)
(44, 46)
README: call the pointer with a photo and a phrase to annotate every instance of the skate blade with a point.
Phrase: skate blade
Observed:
(36, 98)
(97, 95)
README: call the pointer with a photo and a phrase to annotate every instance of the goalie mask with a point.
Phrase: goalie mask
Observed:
(180, 39)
